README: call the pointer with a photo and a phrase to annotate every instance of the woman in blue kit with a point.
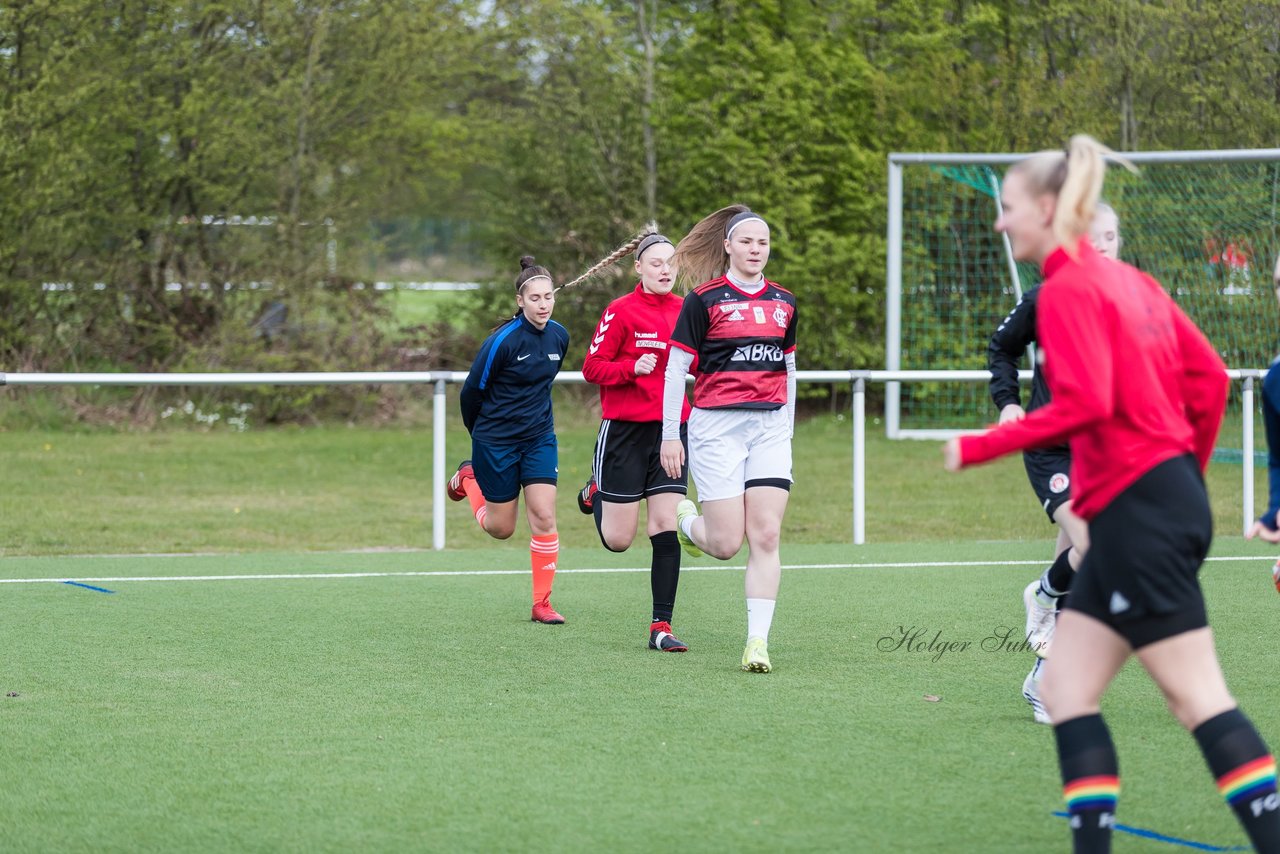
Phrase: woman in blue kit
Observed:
(506, 406)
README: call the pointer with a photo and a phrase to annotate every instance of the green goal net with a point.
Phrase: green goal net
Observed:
(1205, 224)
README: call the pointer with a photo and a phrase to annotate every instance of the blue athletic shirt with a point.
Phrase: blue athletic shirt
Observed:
(507, 396)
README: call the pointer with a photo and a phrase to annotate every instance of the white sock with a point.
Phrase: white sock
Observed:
(759, 617)
(686, 525)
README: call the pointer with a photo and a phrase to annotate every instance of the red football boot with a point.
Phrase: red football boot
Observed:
(660, 637)
(455, 490)
(544, 613)
(587, 495)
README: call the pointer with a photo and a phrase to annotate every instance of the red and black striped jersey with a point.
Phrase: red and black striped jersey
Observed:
(738, 341)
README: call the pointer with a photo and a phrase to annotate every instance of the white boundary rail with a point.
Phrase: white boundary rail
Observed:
(441, 379)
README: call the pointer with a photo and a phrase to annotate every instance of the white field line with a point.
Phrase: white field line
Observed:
(283, 576)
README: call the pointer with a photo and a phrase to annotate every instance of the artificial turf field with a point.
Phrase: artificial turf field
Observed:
(402, 701)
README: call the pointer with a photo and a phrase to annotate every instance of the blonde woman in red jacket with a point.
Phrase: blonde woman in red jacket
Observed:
(1138, 392)
(627, 358)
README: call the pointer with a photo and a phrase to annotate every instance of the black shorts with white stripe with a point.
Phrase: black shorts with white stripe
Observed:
(628, 464)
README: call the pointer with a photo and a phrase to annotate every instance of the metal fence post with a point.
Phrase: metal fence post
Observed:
(1246, 461)
(859, 461)
(439, 468)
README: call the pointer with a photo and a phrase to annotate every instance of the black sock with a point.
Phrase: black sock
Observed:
(664, 576)
(1090, 781)
(1057, 579)
(1246, 774)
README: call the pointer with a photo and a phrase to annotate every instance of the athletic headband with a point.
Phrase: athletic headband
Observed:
(532, 279)
(745, 216)
(650, 240)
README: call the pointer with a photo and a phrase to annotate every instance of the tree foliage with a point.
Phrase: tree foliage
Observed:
(133, 134)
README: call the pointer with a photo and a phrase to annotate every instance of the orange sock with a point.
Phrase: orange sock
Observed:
(476, 498)
(544, 550)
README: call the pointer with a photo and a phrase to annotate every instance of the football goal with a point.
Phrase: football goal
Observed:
(1204, 223)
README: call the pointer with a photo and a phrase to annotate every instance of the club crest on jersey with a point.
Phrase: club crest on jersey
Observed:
(780, 317)
(1058, 483)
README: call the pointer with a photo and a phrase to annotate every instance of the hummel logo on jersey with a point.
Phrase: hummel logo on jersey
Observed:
(757, 353)
(1119, 604)
(522, 358)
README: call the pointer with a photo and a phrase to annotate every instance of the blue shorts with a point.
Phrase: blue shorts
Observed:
(502, 469)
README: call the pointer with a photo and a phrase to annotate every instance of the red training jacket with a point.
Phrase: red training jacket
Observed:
(1134, 382)
(631, 326)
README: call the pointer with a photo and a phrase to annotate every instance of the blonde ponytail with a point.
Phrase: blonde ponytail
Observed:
(1075, 176)
(612, 258)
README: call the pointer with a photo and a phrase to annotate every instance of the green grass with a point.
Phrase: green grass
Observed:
(336, 487)
(415, 308)
(408, 711)
(424, 712)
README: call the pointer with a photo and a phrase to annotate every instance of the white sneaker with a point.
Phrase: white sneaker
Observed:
(1031, 693)
(1040, 621)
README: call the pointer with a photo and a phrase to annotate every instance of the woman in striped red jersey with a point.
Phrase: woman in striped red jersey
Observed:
(737, 330)
(627, 358)
(1138, 392)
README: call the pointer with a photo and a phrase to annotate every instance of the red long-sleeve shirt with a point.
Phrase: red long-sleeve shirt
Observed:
(1134, 382)
(631, 326)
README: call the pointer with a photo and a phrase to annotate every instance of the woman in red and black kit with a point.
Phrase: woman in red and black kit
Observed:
(627, 358)
(737, 332)
(1138, 392)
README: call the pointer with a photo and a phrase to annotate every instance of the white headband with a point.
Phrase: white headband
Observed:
(534, 279)
(729, 233)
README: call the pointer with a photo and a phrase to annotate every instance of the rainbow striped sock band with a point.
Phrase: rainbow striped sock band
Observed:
(1092, 793)
(1251, 779)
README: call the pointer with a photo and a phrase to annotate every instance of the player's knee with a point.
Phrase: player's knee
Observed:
(615, 544)
(764, 539)
(542, 523)
(722, 547)
(500, 532)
